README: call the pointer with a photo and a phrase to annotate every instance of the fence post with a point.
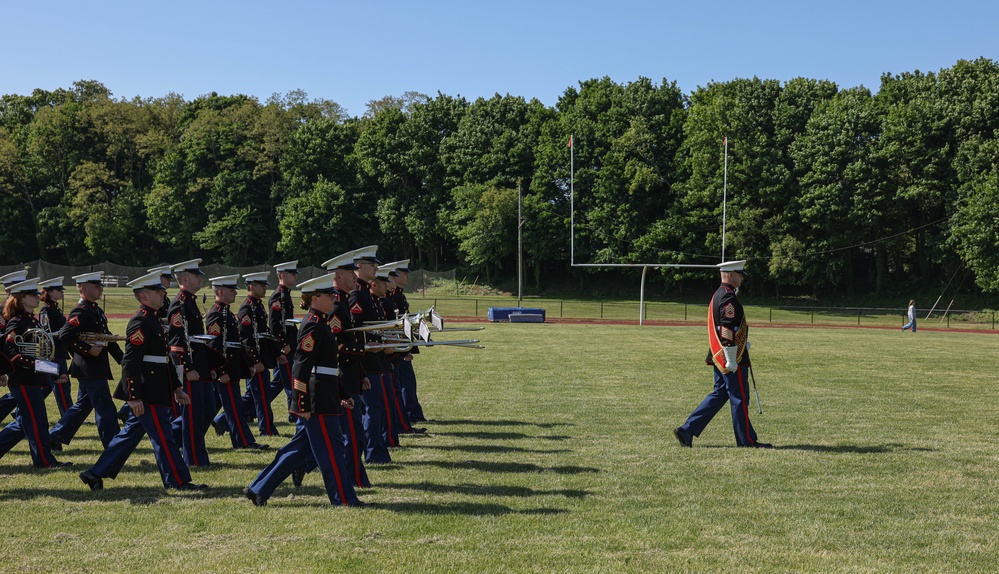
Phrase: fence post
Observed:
(560, 308)
(858, 316)
(685, 311)
(993, 320)
(813, 316)
(476, 307)
(601, 309)
(948, 320)
(771, 314)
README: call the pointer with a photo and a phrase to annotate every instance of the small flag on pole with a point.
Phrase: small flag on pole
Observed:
(570, 141)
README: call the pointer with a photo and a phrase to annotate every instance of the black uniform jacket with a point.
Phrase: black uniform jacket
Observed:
(730, 321)
(87, 317)
(23, 367)
(350, 345)
(185, 321)
(221, 322)
(363, 308)
(253, 324)
(282, 308)
(146, 374)
(56, 320)
(316, 389)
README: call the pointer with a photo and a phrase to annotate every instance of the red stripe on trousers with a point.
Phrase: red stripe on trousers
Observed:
(329, 451)
(745, 408)
(388, 410)
(34, 427)
(163, 444)
(354, 450)
(235, 412)
(268, 416)
(398, 408)
(190, 424)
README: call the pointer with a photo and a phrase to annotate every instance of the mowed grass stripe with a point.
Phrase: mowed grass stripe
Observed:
(552, 450)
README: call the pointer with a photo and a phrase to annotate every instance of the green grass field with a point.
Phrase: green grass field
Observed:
(552, 451)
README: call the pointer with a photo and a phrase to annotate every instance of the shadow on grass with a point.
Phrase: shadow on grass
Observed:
(465, 509)
(499, 423)
(502, 466)
(500, 435)
(853, 448)
(140, 495)
(485, 490)
(488, 448)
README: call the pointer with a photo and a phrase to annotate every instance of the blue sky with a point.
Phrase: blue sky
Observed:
(353, 52)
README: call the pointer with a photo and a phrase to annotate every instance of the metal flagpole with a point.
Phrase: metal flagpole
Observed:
(520, 248)
(572, 204)
(724, 198)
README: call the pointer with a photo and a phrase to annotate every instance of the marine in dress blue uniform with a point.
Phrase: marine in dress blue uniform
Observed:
(166, 278)
(192, 359)
(263, 349)
(405, 374)
(728, 333)
(149, 385)
(385, 300)
(221, 323)
(27, 385)
(281, 312)
(376, 422)
(318, 401)
(7, 402)
(91, 366)
(52, 320)
(350, 352)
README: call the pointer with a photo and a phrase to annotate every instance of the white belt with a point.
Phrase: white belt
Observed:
(154, 359)
(326, 371)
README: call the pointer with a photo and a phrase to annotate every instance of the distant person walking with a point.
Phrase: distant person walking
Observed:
(912, 316)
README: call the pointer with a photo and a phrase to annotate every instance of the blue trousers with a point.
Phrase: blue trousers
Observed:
(95, 396)
(910, 325)
(154, 423)
(192, 424)
(406, 380)
(282, 380)
(318, 442)
(353, 441)
(400, 420)
(32, 423)
(376, 422)
(734, 388)
(63, 395)
(258, 386)
(232, 413)
(7, 405)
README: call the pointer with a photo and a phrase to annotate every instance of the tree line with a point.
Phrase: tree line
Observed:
(829, 188)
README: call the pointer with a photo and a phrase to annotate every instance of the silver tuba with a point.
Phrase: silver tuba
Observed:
(36, 343)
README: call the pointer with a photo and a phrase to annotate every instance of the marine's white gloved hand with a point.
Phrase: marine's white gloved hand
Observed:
(747, 345)
(731, 354)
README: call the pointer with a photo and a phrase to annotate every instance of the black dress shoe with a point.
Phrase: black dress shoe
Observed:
(259, 446)
(417, 420)
(297, 477)
(683, 437)
(417, 430)
(60, 464)
(763, 445)
(92, 480)
(220, 427)
(56, 447)
(191, 486)
(256, 500)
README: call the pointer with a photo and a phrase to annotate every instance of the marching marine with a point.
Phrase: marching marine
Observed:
(150, 386)
(262, 347)
(728, 332)
(281, 313)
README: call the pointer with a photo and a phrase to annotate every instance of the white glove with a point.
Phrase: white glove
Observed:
(747, 345)
(731, 357)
